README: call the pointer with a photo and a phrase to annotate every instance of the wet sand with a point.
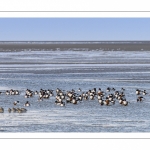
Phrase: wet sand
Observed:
(116, 46)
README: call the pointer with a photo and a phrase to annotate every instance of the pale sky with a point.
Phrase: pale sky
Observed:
(74, 29)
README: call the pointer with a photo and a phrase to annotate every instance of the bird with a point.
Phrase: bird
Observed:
(27, 103)
(137, 92)
(125, 103)
(14, 109)
(16, 102)
(140, 98)
(108, 89)
(62, 103)
(79, 90)
(1, 110)
(144, 92)
(21, 110)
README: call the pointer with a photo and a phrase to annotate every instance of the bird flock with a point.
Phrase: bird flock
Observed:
(107, 97)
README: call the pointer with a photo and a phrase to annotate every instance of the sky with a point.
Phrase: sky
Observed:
(74, 29)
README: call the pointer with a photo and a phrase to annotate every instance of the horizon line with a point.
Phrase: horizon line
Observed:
(83, 41)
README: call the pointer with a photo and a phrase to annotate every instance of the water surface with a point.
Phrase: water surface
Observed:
(72, 70)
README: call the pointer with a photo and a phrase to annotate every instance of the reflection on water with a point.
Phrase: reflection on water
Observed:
(70, 70)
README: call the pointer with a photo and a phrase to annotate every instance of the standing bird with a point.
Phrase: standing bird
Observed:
(1, 109)
(9, 110)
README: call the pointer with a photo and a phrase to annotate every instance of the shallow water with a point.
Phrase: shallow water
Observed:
(70, 70)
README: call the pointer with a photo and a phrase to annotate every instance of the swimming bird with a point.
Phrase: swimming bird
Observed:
(112, 101)
(110, 97)
(36, 92)
(101, 102)
(16, 92)
(74, 101)
(137, 92)
(28, 93)
(122, 89)
(106, 102)
(16, 102)
(99, 91)
(79, 90)
(27, 103)
(99, 97)
(57, 102)
(94, 91)
(12, 92)
(58, 90)
(62, 103)
(26, 96)
(73, 90)
(86, 97)
(7, 92)
(40, 99)
(125, 103)
(92, 97)
(116, 94)
(144, 92)
(120, 101)
(113, 89)
(140, 98)
(108, 89)
(80, 97)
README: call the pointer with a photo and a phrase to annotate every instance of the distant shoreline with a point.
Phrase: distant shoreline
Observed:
(74, 42)
(75, 45)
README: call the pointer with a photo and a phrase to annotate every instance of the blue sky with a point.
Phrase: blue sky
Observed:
(74, 29)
